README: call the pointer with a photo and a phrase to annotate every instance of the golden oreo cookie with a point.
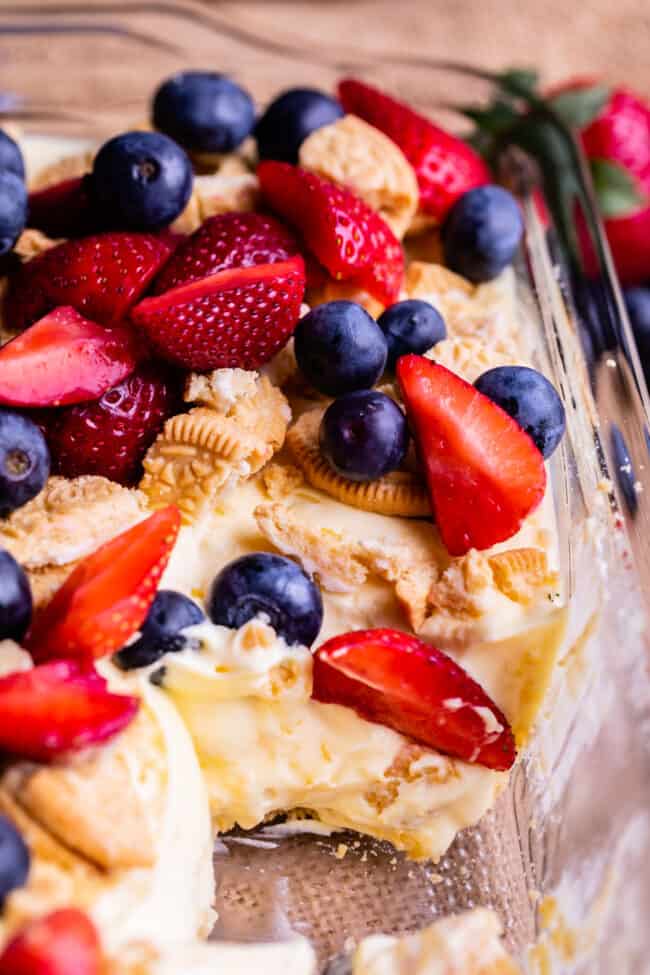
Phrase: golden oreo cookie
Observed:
(400, 493)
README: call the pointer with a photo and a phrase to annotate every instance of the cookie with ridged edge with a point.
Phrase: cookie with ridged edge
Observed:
(69, 519)
(401, 493)
(522, 573)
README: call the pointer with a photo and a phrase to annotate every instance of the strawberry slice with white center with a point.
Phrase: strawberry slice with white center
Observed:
(445, 166)
(107, 597)
(56, 708)
(394, 679)
(484, 473)
(236, 318)
(347, 237)
(65, 358)
(64, 942)
(228, 240)
(100, 276)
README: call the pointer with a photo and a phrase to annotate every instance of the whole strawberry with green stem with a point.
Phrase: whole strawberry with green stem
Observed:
(614, 128)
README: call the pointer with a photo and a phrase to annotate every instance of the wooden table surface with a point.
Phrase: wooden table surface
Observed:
(559, 37)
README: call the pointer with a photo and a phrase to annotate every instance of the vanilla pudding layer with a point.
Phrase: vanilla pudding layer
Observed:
(265, 747)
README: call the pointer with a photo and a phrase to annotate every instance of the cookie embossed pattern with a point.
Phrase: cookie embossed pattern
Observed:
(244, 484)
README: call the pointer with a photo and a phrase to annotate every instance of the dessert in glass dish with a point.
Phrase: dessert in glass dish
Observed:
(279, 534)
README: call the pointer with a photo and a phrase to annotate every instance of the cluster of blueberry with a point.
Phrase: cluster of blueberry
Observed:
(364, 435)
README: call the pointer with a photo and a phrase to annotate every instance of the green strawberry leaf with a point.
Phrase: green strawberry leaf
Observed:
(579, 107)
(616, 191)
(520, 82)
(494, 119)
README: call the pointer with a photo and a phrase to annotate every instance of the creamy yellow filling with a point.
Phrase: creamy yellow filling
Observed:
(265, 747)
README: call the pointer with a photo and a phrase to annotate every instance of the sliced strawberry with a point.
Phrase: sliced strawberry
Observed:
(57, 707)
(63, 210)
(397, 680)
(111, 435)
(228, 240)
(64, 942)
(101, 276)
(484, 474)
(345, 234)
(65, 358)
(104, 601)
(445, 166)
(239, 317)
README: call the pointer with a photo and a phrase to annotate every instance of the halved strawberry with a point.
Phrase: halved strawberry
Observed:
(100, 276)
(239, 317)
(57, 707)
(106, 598)
(111, 435)
(63, 209)
(396, 680)
(228, 240)
(345, 234)
(65, 358)
(484, 474)
(445, 166)
(64, 942)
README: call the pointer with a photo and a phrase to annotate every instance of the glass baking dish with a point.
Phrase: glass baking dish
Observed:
(561, 856)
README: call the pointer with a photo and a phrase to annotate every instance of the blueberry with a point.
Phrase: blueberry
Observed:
(15, 599)
(637, 302)
(482, 232)
(290, 118)
(13, 210)
(141, 181)
(364, 435)
(162, 631)
(272, 585)
(340, 348)
(204, 111)
(11, 158)
(14, 858)
(24, 461)
(530, 399)
(411, 326)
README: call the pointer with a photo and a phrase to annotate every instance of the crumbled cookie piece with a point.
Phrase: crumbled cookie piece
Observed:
(421, 224)
(321, 551)
(233, 187)
(44, 580)
(13, 658)
(31, 243)
(452, 605)
(521, 573)
(200, 453)
(69, 519)
(93, 804)
(332, 290)
(488, 312)
(357, 155)
(468, 943)
(341, 560)
(283, 366)
(193, 458)
(280, 480)
(71, 167)
(467, 357)
(220, 388)
(398, 493)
